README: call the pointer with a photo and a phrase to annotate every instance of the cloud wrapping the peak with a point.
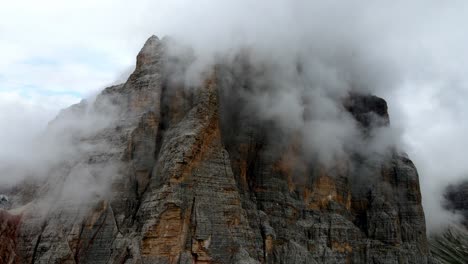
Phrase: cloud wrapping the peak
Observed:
(413, 54)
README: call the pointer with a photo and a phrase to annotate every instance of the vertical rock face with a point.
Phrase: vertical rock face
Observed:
(8, 233)
(193, 177)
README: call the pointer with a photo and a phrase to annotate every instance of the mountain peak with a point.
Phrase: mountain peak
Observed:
(149, 53)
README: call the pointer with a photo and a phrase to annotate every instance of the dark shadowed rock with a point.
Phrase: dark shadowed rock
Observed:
(456, 197)
(369, 110)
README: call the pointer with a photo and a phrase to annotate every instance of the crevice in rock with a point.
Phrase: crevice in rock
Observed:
(78, 243)
(139, 200)
(38, 241)
(163, 121)
(113, 218)
(188, 243)
(93, 237)
(193, 220)
(264, 243)
(162, 126)
(126, 256)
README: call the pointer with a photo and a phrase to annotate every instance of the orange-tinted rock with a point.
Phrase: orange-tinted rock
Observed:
(165, 239)
(8, 235)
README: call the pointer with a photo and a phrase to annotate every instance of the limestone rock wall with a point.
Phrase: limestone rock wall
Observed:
(196, 179)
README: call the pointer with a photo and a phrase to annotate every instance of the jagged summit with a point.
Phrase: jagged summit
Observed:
(150, 53)
(193, 176)
(152, 38)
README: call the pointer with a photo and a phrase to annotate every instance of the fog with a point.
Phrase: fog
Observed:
(413, 54)
(50, 159)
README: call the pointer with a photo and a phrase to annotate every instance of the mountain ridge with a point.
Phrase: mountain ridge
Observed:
(177, 174)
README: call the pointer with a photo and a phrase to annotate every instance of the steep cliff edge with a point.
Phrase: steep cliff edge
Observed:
(189, 175)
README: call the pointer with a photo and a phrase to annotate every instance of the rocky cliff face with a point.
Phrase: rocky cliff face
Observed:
(194, 178)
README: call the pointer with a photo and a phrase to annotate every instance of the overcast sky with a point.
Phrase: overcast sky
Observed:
(53, 53)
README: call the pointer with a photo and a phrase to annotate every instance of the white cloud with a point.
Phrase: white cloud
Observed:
(435, 138)
(22, 118)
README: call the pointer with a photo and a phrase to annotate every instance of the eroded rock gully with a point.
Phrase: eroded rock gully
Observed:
(199, 180)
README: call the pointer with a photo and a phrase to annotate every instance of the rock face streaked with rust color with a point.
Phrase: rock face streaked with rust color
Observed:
(196, 179)
(8, 233)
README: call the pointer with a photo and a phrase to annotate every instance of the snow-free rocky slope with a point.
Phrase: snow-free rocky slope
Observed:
(194, 178)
